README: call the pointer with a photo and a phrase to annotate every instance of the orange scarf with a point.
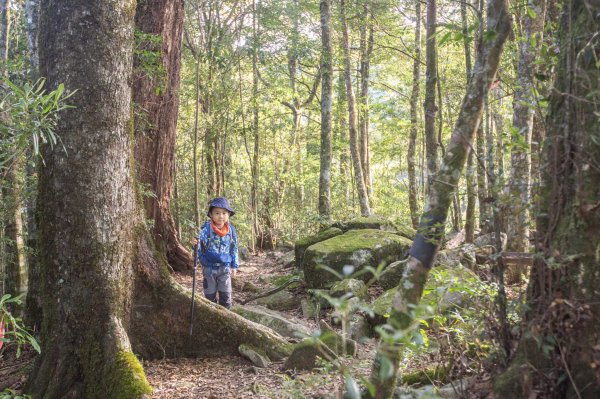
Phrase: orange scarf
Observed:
(220, 232)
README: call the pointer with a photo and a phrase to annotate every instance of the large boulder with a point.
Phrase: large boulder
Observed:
(351, 251)
(392, 275)
(306, 242)
(283, 324)
(377, 223)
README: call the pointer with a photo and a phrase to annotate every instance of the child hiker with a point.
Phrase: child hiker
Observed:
(218, 252)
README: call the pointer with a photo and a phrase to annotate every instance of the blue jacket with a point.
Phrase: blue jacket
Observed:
(215, 250)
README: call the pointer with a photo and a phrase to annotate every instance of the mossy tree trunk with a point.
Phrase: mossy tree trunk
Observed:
(414, 123)
(442, 189)
(431, 143)
(326, 111)
(363, 198)
(105, 292)
(155, 95)
(563, 294)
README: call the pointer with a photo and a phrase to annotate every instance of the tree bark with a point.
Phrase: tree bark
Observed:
(563, 295)
(106, 295)
(429, 106)
(326, 111)
(433, 221)
(155, 128)
(363, 197)
(366, 49)
(523, 102)
(5, 7)
(470, 174)
(32, 9)
(414, 123)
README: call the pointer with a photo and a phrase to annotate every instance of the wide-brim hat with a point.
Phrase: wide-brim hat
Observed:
(220, 202)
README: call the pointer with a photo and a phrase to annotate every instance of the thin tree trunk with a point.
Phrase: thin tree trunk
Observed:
(414, 122)
(156, 130)
(470, 174)
(343, 138)
(363, 198)
(433, 221)
(520, 171)
(326, 111)
(429, 106)
(255, 125)
(366, 49)
(5, 20)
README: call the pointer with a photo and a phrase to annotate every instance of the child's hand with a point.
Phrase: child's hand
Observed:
(233, 272)
(195, 241)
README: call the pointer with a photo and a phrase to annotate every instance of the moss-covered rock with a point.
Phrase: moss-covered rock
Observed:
(254, 355)
(382, 307)
(305, 242)
(282, 300)
(392, 275)
(377, 223)
(357, 288)
(334, 341)
(357, 249)
(276, 321)
(305, 355)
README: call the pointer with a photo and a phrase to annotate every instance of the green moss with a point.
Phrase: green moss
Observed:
(438, 373)
(128, 380)
(357, 248)
(302, 244)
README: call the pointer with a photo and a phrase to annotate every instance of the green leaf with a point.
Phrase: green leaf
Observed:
(386, 369)
(35, 344)
(531, 12)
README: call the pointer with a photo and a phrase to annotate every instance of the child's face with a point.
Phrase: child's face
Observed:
(219, 216)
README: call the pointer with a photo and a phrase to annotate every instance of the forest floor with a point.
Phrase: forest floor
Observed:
(234, 376)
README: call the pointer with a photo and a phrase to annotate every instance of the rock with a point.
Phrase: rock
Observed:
(282, 324)
(351, 251)
(287, 260)
(486, 242)
(392, 275)
(282, 300)
(316, 296)
(250, 287)
(247, 270)
(251, 354)
(309, 309)
(305, 242)
(457, 389)
(357, 288)
(305, 355)
(382, 307)
(334, 341)
(359, 328)
(377, 223)
(243, 253)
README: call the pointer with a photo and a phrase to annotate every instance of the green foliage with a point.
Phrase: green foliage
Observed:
(30, 115)
(14, 330)
(11, 394)
(147, 53)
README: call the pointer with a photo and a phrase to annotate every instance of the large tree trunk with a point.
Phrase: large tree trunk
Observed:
(326, 111)
(524, 98)
(433, 220)
(363, 197)
(558, 355)
(414, 123)
(155, 126)
(105, 294)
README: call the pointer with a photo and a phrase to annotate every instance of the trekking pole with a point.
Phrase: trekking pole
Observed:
(194, 249)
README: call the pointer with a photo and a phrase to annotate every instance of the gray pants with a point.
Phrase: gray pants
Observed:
(218, 280)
